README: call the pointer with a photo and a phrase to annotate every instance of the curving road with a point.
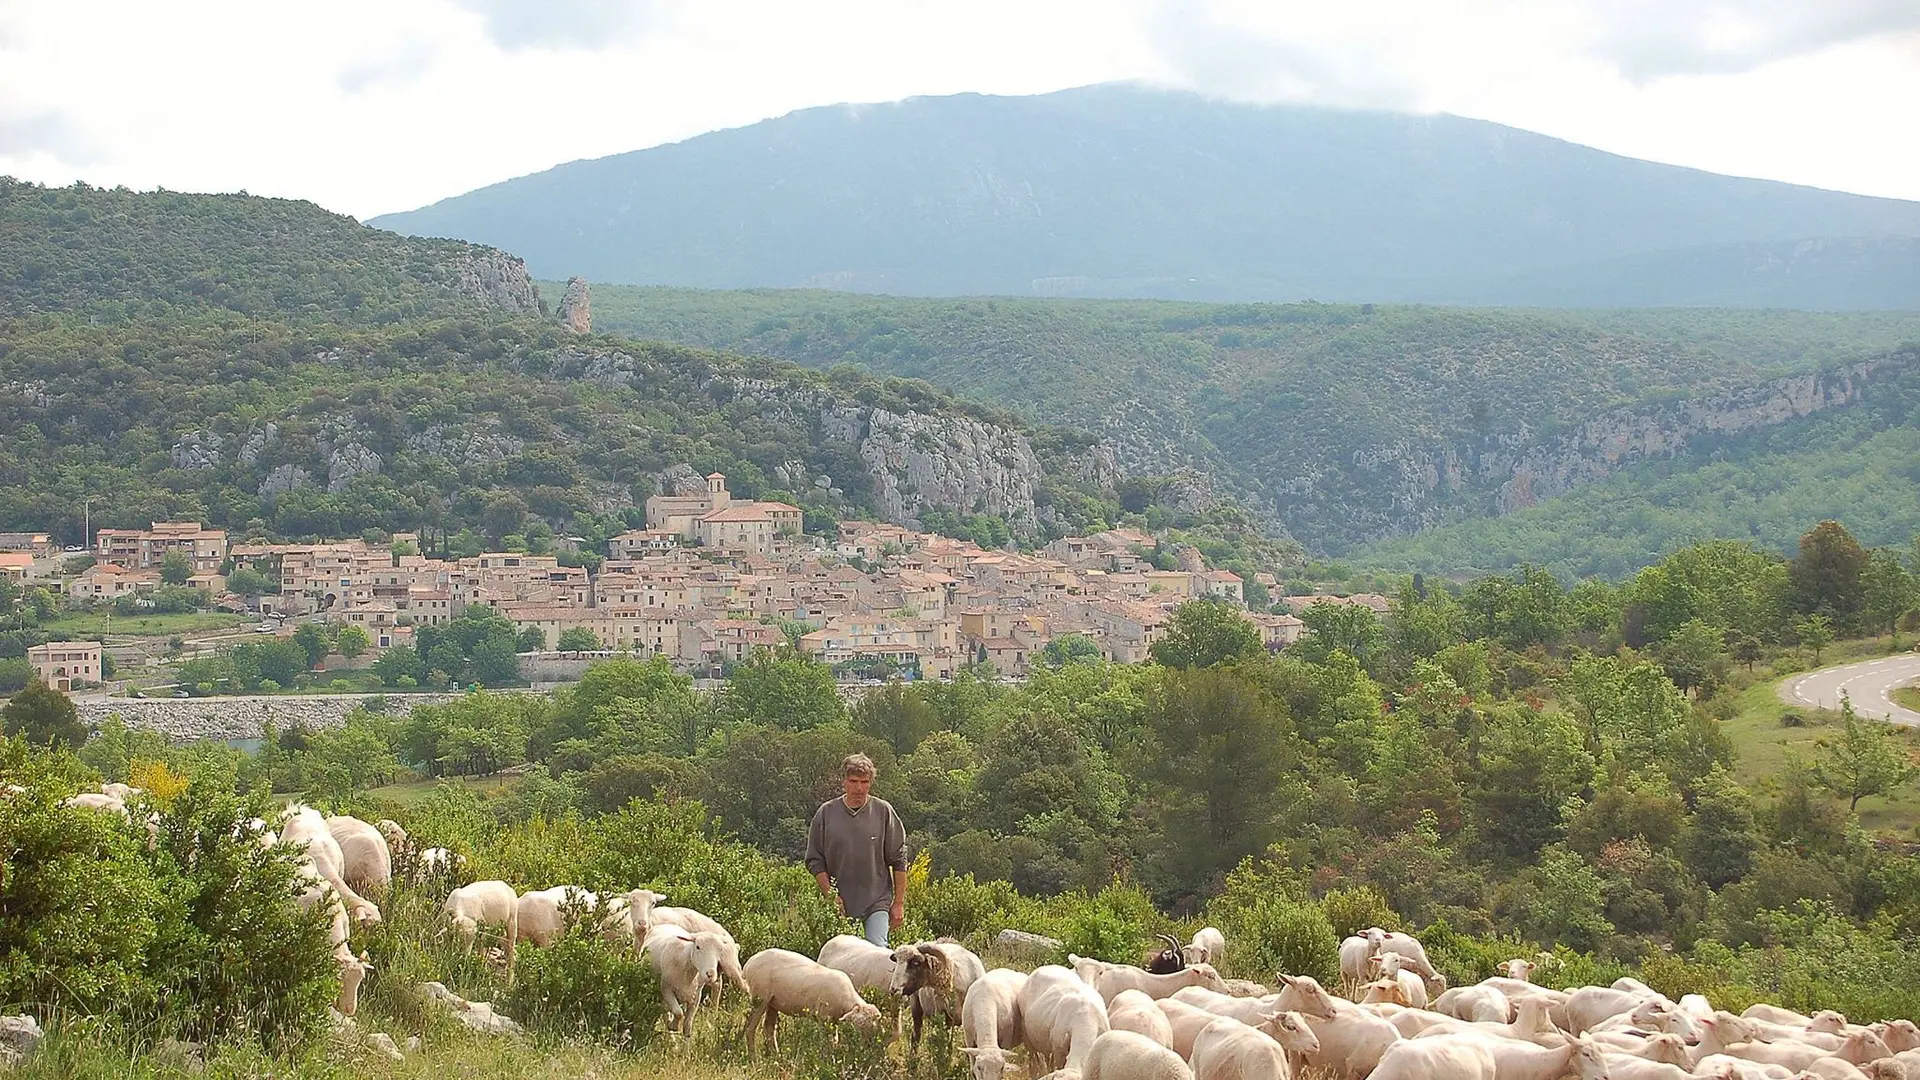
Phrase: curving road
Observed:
(1868, 684)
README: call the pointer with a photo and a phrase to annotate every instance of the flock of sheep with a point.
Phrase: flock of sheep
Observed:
(1176, 1019)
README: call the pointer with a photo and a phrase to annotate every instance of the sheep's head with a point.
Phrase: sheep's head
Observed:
(1205, 975)
(1169, 959)
(395, 835)
(1828, 1022)
(1861, 1047)
(922, 967)
(1517, 969)
(987, 1062)
(1588, 1061)
(1290, 1030)
(1671, 1049)
(1899, 1035)
(1304, 994)
(1530, 1016)
(864, 1016)
(1386, 991)
(640, 905)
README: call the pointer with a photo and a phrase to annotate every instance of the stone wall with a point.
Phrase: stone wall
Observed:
(187, 719)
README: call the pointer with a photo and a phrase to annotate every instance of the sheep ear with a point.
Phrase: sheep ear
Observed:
(1285, 979)
(973, 1051)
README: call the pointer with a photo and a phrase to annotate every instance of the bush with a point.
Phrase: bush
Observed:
(1105, 927)
(1350, 911)
(1281, 935)
(583, 986)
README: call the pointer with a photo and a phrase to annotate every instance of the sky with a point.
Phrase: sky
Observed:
(372, 106)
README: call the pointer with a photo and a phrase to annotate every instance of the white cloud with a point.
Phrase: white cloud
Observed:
(367, 107)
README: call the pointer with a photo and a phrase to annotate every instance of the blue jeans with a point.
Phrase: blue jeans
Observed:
(877, 925)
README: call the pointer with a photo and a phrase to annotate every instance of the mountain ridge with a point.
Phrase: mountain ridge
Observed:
(1123, 190)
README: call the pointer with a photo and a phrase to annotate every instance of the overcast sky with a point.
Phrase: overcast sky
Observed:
(370, 106)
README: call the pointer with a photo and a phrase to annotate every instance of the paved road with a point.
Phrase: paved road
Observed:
(1868, 684)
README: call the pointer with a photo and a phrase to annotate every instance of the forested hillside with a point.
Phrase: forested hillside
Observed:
(267, 366)
(1129, 190)
(1347, 423)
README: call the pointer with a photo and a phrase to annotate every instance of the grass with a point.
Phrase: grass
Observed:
(1763, 741)
(1907, 697)
(97, 624)
(412, 790)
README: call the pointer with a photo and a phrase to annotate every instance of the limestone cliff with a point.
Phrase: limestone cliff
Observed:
(576, 307)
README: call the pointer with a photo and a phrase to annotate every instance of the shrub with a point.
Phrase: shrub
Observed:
(1280, 935)
(583, 986)
(1350, 911)
(81, 903)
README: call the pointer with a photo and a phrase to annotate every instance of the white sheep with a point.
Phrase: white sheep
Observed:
(1087, 968)
(626, 917)
(1404, 944)
(123, 792)
(98, 800)
(1774, 1014)
(1186, 1021)
(1209, 946)
(688, 919)
(1131, 1010)
(1398, 968)
(1229, 1050)
(543, 917)
(1530, 1024)
(1129, 1055)
(990, 1021)
(1517, 968)
(870, 966)
(1899, 1035)
(305, 830)
(365, 861)
(1588, 1005)
(353, 969)
(491, 903)
(1483, 1004)
(687, 963)
(782, 982)
(1468, 1056)
(1127, 977)
(1060, 1016)
(1355, 952)
(1246, 1010)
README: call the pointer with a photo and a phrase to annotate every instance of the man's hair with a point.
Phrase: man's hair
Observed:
(857, 765)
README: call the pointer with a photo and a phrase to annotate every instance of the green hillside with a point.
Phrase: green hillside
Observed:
(1129, 190)
(1338, 422)
(1861, 465)
(268, 366)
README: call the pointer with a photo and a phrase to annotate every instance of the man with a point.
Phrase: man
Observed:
(857, 850)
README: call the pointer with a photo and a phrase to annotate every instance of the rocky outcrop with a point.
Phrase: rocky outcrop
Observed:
(197, 450)
(1607, 443)
(921, 462)
(576, 307)
(496, 279)
(284, 478)
(348, 461)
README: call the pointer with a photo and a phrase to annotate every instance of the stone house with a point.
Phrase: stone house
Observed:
(65, 665)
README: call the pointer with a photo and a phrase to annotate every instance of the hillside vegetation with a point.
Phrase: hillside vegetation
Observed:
(266, 366)
(1501, 766)
(1127, 190)
(1341, 423)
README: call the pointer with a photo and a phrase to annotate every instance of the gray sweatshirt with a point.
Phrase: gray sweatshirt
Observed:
(860, 849)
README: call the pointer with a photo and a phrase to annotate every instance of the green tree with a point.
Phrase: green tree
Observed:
(314, 640)
(1205, 632)
(578, 639)
(1889, 592)
(1330, 628)
(895, 714)
(352, 641)
(1219, 752)
(1863, 760)
(400, 662)
(1828, 576)
(1815, 632)
(1720, 839)
(787, 691)
(1561, 901)
(44, 716)
(176, 568)
(1068, 648)
(1694, 655)
(247, 581)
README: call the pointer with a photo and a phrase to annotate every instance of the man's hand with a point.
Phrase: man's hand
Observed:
(839, 905)
(897, 913)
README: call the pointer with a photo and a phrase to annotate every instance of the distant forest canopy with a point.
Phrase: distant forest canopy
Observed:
(1125, 190)
(1324, 416)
